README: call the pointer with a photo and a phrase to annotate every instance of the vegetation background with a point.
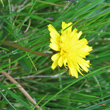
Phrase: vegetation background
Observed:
(24, 23)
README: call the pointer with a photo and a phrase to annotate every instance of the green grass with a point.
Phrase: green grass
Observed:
(24, 23)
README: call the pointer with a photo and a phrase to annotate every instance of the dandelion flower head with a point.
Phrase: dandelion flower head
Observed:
(71, 51)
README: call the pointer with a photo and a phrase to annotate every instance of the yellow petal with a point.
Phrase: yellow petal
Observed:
(54, 36)
(73, 72)
(82, 43)
(64, 25)
(53, 32)
(65, 61)
(73, 32)
(84, 64)
(86, 50)
(69, 29)
(54, 64)
(73, 68)
(79, 34)
(60, 61)
(55, 56)
(54, 46)
(66, 28)
(56, 41)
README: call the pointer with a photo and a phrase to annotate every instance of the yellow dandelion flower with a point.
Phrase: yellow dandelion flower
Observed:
(71, 51)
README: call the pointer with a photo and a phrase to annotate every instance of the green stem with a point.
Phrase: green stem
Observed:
(23, 48)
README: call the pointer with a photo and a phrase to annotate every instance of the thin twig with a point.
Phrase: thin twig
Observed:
(20, 88)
